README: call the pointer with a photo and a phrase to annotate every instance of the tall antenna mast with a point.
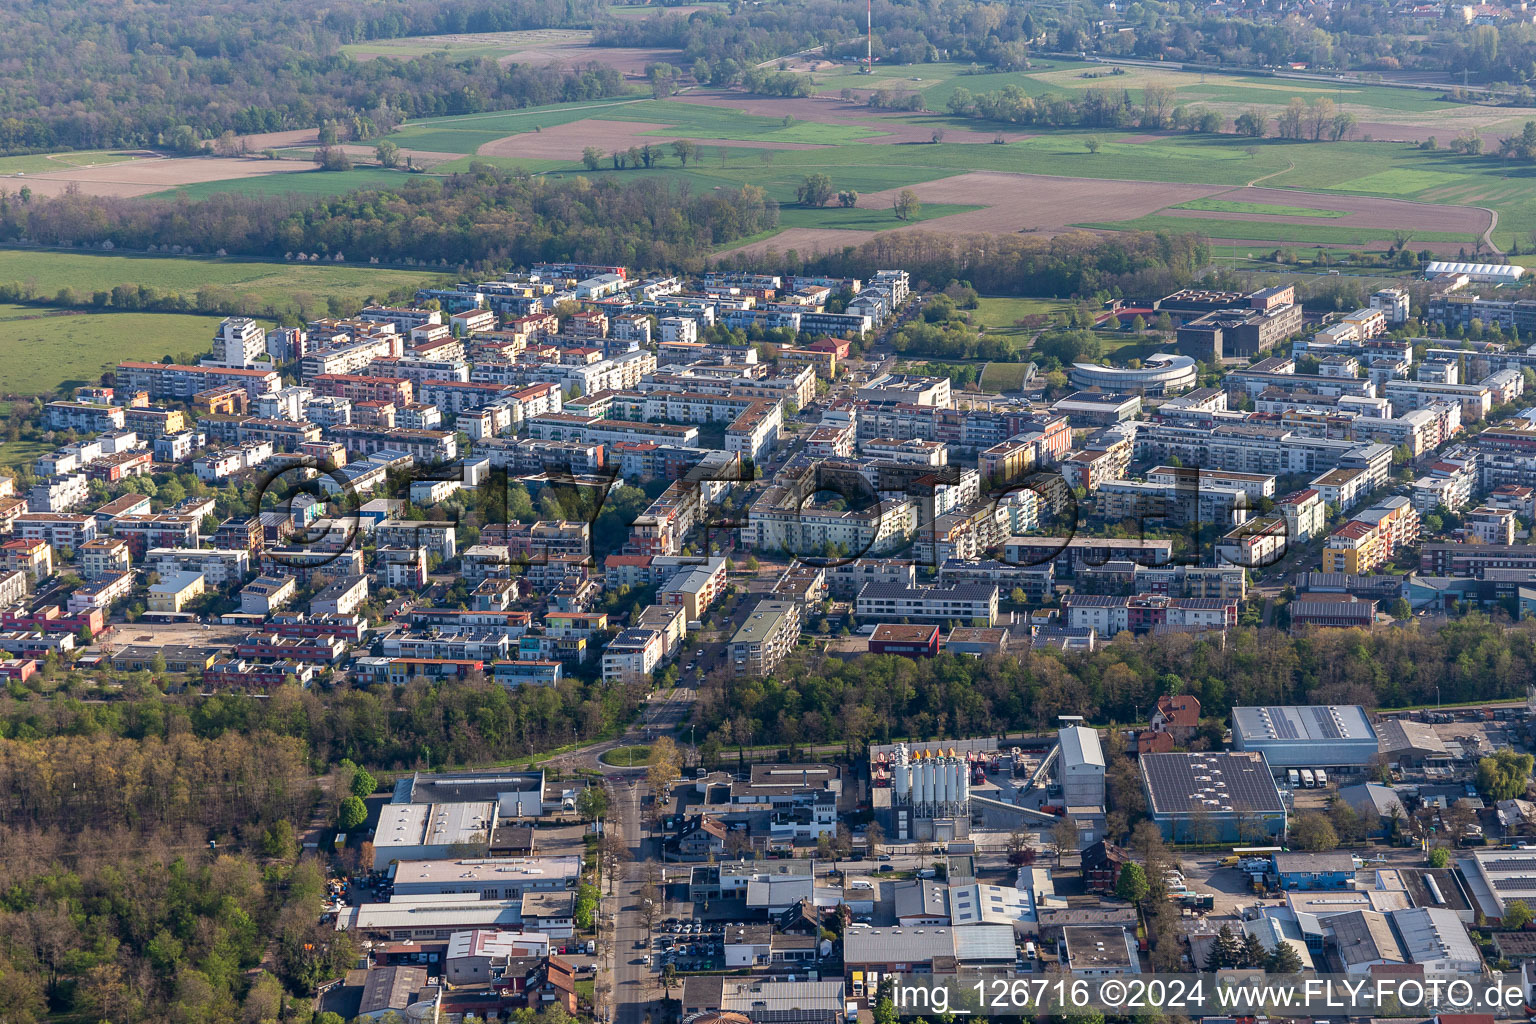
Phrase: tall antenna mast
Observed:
(869, 38)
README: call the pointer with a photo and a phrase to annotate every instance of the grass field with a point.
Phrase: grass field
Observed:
(695, 120)
(1272, 231)
(279, 285)
(504, 163)
(468, 133)
(465, 47)
(310, 183)
(23, 453)
(38, 163)
(999, 315)
(1235, 206)
(857, 219)
(630, 756)
(42, 347)
(1395, 170)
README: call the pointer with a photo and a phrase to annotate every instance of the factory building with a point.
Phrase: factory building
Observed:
(1212, 797)
(1081, 767)
(930, 794)
(1333, 737)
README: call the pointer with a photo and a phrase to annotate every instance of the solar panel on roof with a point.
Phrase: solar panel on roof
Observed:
(1326, 725)
(1520, 882)
(1282, 725)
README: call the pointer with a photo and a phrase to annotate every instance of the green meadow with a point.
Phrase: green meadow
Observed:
(43, 347)
(1271, 209)
(281, 285)
(308, 183)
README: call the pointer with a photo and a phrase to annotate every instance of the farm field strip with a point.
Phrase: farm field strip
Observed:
(1237, 206)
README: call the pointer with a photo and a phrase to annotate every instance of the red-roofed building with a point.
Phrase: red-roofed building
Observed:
(909, 641)
(1178, 715)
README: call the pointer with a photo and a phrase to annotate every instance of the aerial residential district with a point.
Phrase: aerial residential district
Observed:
(699, 487)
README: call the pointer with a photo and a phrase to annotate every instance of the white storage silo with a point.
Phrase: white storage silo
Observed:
(901, 775)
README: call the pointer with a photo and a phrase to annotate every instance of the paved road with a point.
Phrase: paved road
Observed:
(635, 986)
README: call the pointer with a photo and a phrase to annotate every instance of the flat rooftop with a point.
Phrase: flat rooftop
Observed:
(1097, 948)
(457, 787)
(510, 870)
(1313, 723)
(1221, 783)
(403, 825)
(761, 621)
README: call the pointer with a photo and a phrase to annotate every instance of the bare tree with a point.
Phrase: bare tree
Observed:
(1063, 838)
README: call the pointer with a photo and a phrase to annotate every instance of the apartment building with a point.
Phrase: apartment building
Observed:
(240, 342)
(364, 387)
(169, 380)
(58, 494)
(429, 446)
(765, 638)
(63, 530)
(969, 603)
(350, 356)
(1372, 538)
(596, 430)
(86, 417)
(1490, 525)
(633, 655)
(218, 567)
(1406, 395)
(1344, 488)
(103, 556)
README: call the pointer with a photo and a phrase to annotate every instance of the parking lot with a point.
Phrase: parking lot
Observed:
(690, 945)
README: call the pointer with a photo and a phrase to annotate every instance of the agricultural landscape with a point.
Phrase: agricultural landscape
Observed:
(1382, 186)
(970, 174)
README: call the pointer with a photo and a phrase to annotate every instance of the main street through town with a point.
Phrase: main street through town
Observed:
(624, 938)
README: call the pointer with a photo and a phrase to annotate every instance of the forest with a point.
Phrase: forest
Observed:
(76, 74)
(150, 844)
(152, 759)
(177, 74)
(482, 218)
(879, 698)
(142, 932)
(1353, 35)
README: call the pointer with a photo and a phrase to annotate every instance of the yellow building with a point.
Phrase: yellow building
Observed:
(1352, 548)
(1371, 538)
(174, 591)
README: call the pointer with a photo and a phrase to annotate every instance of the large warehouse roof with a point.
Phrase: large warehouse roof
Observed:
(1313, 723)
(1486, 271)
(1221, 783)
